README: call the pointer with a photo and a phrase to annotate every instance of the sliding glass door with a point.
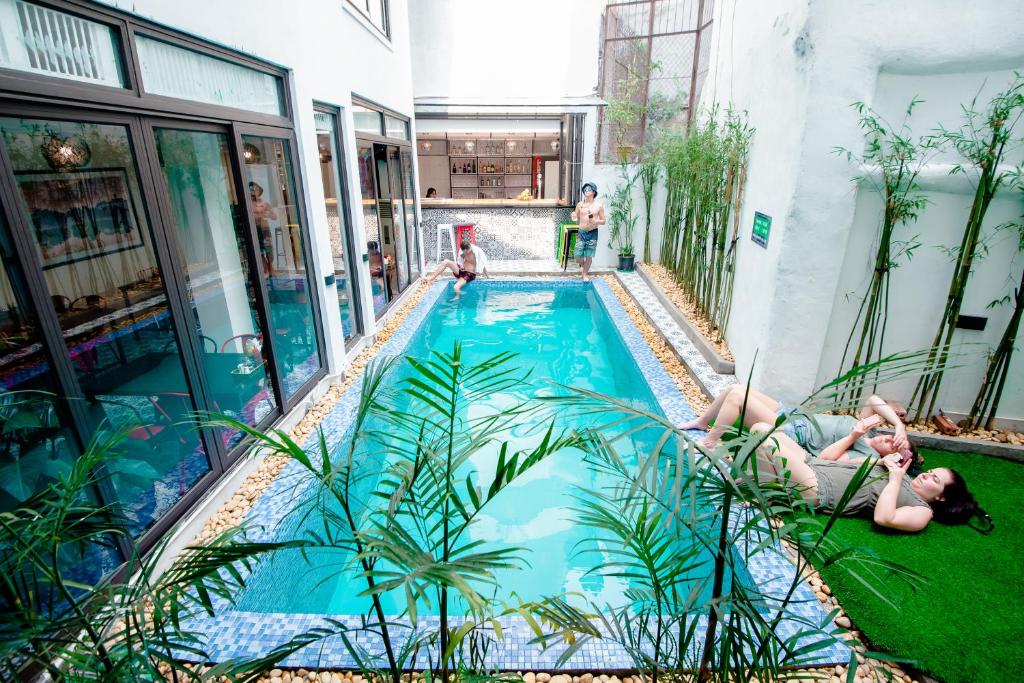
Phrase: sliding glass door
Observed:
(153, 270)
(94, 247)
(389, 221)
(335, 199)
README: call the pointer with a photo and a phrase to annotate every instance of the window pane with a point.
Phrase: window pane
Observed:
(371, 223)
(367, 120)
(212, 236)
(271, 183)
(36, 449)
(81, 196)
(396, 128)
(42, 40)
(393, 223)
(326, 135)
(209, 80)
(410, 214)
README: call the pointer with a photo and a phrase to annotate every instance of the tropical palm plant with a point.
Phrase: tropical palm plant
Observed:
(406, 534)
(126, 626)
(680, 524)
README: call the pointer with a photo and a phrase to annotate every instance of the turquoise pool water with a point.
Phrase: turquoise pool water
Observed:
(562, 334)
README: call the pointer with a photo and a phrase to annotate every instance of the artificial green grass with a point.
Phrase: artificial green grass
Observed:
(965, 624)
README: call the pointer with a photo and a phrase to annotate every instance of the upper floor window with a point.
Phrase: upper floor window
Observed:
(210, 80)
(45, 41)
(377, 13)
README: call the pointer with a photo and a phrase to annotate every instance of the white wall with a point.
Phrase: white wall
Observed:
(796, 66)
(332, 53)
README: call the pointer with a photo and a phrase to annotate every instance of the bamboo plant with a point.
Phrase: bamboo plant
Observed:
(705, 171)
(983, 140)
(649, 174)
(997, 371)
(622, 218)
(893, 160)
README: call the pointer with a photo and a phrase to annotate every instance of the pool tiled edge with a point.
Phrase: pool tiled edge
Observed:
(238, 634)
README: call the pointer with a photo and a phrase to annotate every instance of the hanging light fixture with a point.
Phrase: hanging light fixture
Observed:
(511, 144)
(325, 153)
(427, 145)
(470, 145)
(65, 154)
(555, 145)
(251, 153)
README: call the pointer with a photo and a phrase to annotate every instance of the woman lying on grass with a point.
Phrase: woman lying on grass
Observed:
(894, 500)
(820, 435)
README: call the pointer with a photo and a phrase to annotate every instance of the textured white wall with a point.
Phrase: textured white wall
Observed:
(332, 53)
(796, 66)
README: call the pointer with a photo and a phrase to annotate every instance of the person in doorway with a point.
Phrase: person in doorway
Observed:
(262, 214)
(431, 193)
(892, 500)
(822, 435)
(470, 261)
(589, 215)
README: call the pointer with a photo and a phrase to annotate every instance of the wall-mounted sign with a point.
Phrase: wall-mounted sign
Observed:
(762, 227)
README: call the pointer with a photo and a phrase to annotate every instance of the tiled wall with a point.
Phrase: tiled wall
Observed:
(502, 232)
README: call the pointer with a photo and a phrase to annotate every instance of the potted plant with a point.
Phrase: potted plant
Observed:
(622, 219)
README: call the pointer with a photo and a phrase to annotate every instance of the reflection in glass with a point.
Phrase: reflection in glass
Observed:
(210, 80)
(34, 450)
(393, 190)
(367, 120)
(81, 197)
(273, 201)
(379, 285)
(409, 203)
(326, 137)
(212, 238)
(46, 41)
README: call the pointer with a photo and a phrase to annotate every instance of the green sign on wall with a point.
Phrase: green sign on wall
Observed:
(762, 227)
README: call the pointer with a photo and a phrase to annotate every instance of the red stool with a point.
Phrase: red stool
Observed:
(460, 229)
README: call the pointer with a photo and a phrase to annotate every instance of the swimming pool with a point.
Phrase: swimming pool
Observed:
(561, 334)
(568, 332)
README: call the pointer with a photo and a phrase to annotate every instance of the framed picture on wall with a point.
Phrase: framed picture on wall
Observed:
(80, 215)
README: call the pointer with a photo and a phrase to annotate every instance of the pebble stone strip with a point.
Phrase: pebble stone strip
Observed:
(712, 381)
(266, 630)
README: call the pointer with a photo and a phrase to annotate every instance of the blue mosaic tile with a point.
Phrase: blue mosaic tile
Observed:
(234, 633)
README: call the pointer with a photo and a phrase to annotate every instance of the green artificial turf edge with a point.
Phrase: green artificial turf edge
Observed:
(963, 624)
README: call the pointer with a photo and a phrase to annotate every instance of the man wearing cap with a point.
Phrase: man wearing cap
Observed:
(589, 215)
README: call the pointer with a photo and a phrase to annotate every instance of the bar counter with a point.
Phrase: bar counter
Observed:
(505, 229)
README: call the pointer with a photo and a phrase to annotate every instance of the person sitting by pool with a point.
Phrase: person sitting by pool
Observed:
(470, 261)
(892, 500)
(818, 435)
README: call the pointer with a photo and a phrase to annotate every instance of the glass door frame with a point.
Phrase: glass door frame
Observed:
(345, 215)
(70, 391)
(373, 141)
(169, 225)
(315, 279)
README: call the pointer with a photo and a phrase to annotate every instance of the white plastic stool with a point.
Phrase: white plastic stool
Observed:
(444, 229)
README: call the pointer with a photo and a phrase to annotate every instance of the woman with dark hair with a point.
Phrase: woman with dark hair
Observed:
(892, 500)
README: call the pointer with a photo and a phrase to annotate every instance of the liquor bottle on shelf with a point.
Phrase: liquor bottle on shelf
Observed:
(453, 168)
(474, 165)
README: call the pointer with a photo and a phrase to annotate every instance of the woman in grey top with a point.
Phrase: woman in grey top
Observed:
(891, 499)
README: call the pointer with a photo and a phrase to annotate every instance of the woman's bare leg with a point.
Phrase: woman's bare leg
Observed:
(782, 460)
(448, 263)
(755, 406)
(702, 420)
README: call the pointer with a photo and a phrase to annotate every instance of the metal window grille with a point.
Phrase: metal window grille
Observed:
(655, 53)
